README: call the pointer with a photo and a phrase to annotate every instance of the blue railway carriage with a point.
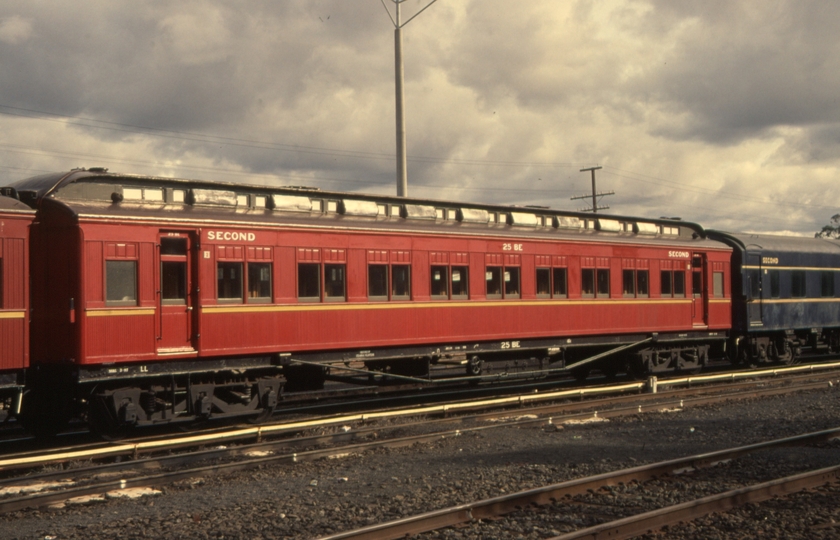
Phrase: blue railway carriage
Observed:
(785, 296)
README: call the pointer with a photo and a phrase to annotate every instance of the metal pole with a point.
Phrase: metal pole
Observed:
(594, 191)
(402, 172)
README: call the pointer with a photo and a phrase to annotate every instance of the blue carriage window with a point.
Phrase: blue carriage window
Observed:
(775, 284)
(827, 284)
(797, 284)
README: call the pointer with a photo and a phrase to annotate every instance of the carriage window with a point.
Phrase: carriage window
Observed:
(775, 284)
(560, 285)
(259, 282)
(642, 283)
(755, 283)
(603, 282)
(667, 283)
(628, 280)
(401, 281)
(679, 283)
(587, 282)
(717, 284)
(378, 281)
(673, 283)
(460, 282)
(511, 282)
(120, 283)
(797, 284)
(697, 284)
(173, 282)
(229, 280)
(543, 282)
(827, 284)
(635, 283)
(440, 282)
(334, 282)
(309, 281)
(173, 246)
(493, 278)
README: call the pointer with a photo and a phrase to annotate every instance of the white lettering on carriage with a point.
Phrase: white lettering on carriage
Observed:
(679, 254)
(231, 236)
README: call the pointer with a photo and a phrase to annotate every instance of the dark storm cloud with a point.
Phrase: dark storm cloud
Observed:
(709, 103)
(741, 68)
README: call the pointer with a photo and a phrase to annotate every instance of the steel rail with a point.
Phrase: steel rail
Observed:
(497, 506)
(722, 502)
(135, 449)
(42, 499)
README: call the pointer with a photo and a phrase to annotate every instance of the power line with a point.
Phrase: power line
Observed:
(253, 143)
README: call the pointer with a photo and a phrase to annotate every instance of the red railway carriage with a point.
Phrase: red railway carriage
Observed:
(166, 298)
(15, 219)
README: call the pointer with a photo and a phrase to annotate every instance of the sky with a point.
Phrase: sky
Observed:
(720, 112)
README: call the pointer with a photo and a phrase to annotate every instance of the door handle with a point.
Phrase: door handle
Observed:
(189, 308)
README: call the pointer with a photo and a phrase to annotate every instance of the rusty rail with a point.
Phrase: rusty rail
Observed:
(722, 502)
(497, 506)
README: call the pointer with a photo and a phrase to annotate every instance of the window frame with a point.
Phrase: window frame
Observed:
(547, 281)
(672, 283)
(434, 292)
(394, 296)
(565, 281)
(718, 285)
(107, 282)
(370, 283)
(827, 282)
(259, 299)
(795, 282)
(327, 297)
(241, 270)
(602, 277)
(309, 281)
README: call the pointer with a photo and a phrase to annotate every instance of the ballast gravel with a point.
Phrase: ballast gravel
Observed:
(313, 499)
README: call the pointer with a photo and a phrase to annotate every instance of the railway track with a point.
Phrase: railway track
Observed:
(339, 436)
(563, 497)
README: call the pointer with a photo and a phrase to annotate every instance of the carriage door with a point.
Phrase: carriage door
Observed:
(699, 290)
(175, 301)
(752, 287)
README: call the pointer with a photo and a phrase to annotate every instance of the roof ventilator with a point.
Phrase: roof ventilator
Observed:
(358, 208)
(608, 225)
(522, 219)
(291, 203)
(645, 228)
(473, 215)
(211, 197)
(417, 211)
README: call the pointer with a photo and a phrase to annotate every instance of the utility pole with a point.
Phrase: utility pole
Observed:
(595, 193)
(402, 169)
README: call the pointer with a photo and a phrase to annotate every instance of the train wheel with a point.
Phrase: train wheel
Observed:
(475, 366)
(788, 355)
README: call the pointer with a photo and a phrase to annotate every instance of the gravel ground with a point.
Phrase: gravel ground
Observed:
(313, 499)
